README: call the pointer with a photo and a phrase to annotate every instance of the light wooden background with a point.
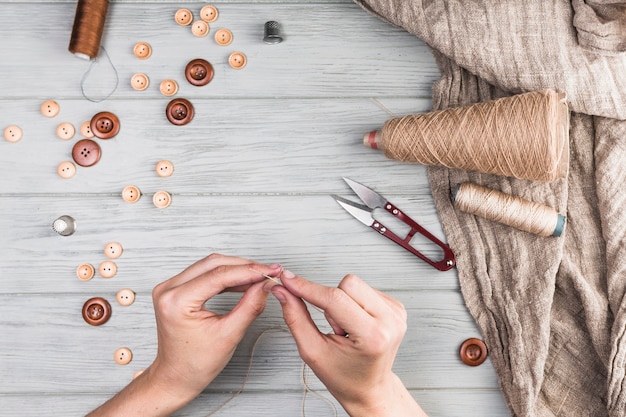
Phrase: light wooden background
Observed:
(253, 176)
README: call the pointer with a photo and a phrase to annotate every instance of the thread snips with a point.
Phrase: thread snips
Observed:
(364, 213)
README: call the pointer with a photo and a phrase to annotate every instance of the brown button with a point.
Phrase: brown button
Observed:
(209, 13)
(473, 352)
(125, 297)
(107, 269)
(142, 50)
(200, 28)
(139, 81)
(66, 169)
(179, 111)
(123, 356)
(86, 152)
(85, 130)
(49, 108)
(168, 87)
(13, 133)
(131, 194)
(65, 131)
(199, 72)
(237, 60)
(162, 199)
(113, 250)
(96, 311)
(223, 37)
(183, 17)
(164, 168)
(105, 125)
(85, 272)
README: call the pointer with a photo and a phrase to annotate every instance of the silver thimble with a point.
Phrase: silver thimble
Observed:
(64, 225)
(271, 33)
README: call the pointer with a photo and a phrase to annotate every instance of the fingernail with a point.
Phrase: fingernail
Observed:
(267, 287)
(280, 297)
(275, 266)
(288, 274)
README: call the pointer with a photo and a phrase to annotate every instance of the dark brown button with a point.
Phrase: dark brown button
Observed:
(179, 111)
(473, 352)
(105, 125)
(199, 72)
(96, 311)
(86, 152)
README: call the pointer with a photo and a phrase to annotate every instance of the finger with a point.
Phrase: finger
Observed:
(202, 266)
(249, 307)
(371, 300)
(336, 329)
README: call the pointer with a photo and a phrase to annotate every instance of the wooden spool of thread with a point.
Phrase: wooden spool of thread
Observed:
(509, 210)
(524, 136)
(88, 28)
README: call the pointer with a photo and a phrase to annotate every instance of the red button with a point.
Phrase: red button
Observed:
(199, 72)
(179, 111)
(105, 125)
(86, 152)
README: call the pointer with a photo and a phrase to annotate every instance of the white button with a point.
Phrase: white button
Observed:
(125, 297)
(65, 131)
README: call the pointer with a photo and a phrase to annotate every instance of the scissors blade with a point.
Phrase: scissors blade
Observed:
(370, 197)
(358, 211)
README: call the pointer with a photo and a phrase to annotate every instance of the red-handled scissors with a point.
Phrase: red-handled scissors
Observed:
(374, 200)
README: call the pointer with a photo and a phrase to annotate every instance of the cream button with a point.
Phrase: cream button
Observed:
(237, 60)
(107, 269)
(123, 356)
(50, 108)
(66, 169)
(113, 250)
(65, 131)
(164, 168)
(142, 50)
(85, 130)
(183, 17)
(168, 87)
(223, 37)
(200, 28)
(131, 194)
(139, 81)
(209, 13)
(162, 199)
(85, 272)
(125, 297)
(13, 133)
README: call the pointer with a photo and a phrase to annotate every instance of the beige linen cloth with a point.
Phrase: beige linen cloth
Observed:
(552, 310)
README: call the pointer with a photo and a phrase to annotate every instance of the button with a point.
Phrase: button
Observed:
(85, 272)
(96, 311)
(85, 130)
(162, 199)
(164, 168)
(209, 13)
(123, 356)
(183, 17)
(49, 108)
(125, 297)
(131, 194)
(199, 72)
(473, 352)
(65, 131)
(66, 169)
(179, 111)
(237, 60)
(13, 133)
(168, 87)
(142, 50)
(223, 37)
(113, 250)
(200, 28)
(139, 81)
(64, 225)
(86, 152)
(107, 269)
(105, 125)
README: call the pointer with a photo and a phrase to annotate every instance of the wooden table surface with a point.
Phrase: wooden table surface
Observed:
(254, 172)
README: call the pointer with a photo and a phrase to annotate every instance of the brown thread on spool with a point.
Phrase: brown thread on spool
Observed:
(88, 28)
(524, 136)
(510, 210)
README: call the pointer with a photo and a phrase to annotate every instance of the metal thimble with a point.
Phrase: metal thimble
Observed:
(64, 225)
(271, 33)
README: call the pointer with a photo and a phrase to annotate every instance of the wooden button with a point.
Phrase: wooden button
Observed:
(85, 272)
(85, 130)
(164, 168)
(209, 13)
(168, 87)
(96, 311)
(179, 111)
(162, 199)
(200, 28)
(123, 356)
(105, 125)
(142, 50)
(107, 269)
(473, 352)
(223, 37)
(86, 152)
(139, 81)
(237, 60)
(183, 17)
(131, 194)
(113, 250)
(66, 169)
(199, 72)
(65, 131)
(49, 108)
(13, 133)
(125, 297)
